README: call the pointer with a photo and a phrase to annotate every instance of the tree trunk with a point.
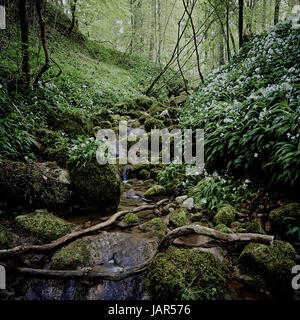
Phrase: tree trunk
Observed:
(73, 11)
(24, 27)
(276, 14)
(227, 31)
(241, 22)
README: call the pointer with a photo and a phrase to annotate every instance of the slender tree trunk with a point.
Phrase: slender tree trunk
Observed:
(189, 13)
(73, 11)
(276, 14)
(221, 49)
(24, 26)
(241, 22)
(46, 66)
(227, 31)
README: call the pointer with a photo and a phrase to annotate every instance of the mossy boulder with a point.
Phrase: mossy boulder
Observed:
(96, 185)
(43, 225)
(179, 218)
(130, 218)
(253, 226)
(60, 155)
(178, 100)
(225, 215)
(156, 227)
(152, 123)
(74, 122)
(223, 228)
(156, 108)
(273, 262)
(155, 191)
(280, 222)
(32, 185)
(72, 256)
(187, 274)
(144, 174)
(6, 238)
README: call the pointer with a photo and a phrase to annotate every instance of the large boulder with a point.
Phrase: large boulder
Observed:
(155, 191)
(284, 216)
(33, 185)
(273, 262)
(96, 186)
(187, 274)
(105, 252)
(43, 225)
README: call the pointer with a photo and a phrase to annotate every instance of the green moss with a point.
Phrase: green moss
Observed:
(225, 215)
(200, 217)
(152, 123)
(74, 122)
(279, 223)
(60, 156)
(43, 225)
(155, 191)
(156, 224)
(253, 226)
(273, 262)
(5, 238)
(178, 218)
(173, 112)
(144, 174)
(97, 185)
(72, 256)
(187, 274)
(156, 109)
(223, 228)
(130, 218)
(178, 100)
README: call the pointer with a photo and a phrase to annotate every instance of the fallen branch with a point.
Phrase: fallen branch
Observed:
(21, 250)
(225, 237)
(89, 274)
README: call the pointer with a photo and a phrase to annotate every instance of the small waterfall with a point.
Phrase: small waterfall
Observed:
(126, 174)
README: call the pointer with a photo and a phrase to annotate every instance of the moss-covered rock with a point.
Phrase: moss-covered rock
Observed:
(253, 226)
(156, 109)
(173, 112)
(32, 186)
(152, 123)
(273, 262)
(6, 238)
(155, 226)
(155, 191)
(74, 122)
(43, 225)
(96, 185)
(187, 274)
(279, 222)
(179, 218)
(225, 215)
(60, 155)
(223, 228)
(178, 100)
(72, 256)
(130, 218)
(144, 174)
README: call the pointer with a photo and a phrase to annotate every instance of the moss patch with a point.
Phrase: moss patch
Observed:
(225, 215)
(273, 263)
(97, 185)
(130, 218)
(223, 228)
(43, 225)
(155, 191)
(72, 256)
(178, 218)
(5, 238)
(187, 274)
(155, 227)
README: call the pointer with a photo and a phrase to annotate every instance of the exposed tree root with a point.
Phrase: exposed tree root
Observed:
(21, 250)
